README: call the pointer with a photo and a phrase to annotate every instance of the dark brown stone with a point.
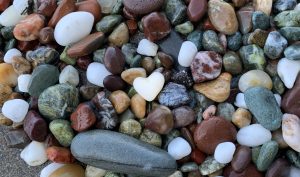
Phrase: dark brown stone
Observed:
(64, 8)
(165, 60)
(250, 171)
(51, 141)
(241, 158)
(46, 35)
(290, 100)
(87, 45)
(279, 168)
(196, 10)
(114, 60)
(156, 26)
(186, 134)
(213, 131)
(35, 126)
(83, 62)
(132, 26)
(25, 46)
(183, 116)
(16, 139)
(4, 4)
(46, 7)
(198, 156)
(140, 7)
(91, 6)
(160, 120)
(113, 83)
(83, 117)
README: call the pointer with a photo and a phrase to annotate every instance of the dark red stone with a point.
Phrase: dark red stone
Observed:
(213, 131)
(113, 83)
(4, 4)
(33, 103)
(291, 99)
(132, 26)
(156, 26)
(208, 25)
(83, 62)
(198, 156)
(51, 141)
(83, 117)
(46, 7)
(165, 60)
(196, 10)
(35, 126)
(46, 35)
(59, 154)
(91, 6)
(140, 7)
(114, 60)
(64, 8)
(241, 158)
(25, 46)
(128, 14)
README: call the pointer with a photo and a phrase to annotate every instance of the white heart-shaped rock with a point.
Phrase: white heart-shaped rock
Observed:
(288, 71)
(149, 87)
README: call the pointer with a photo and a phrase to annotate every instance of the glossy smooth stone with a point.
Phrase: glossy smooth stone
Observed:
(96, 73)
(255, 78)
(187, 53)
(147, 48)
(34, 154)
(23, 82)
(83, 117)
(263, 5)
(9, 109)
(288, 76)
(69, 170)
(35, 126)
(149, 159)
(266, 155)
(64, 8)
(253, 135)
(224, 152)
(140, 7)
(289, 100)
(114, 60)
(10, 54)
(196, 10)
(10, 17)
(241, 158)
(179, 148)
(290, 130)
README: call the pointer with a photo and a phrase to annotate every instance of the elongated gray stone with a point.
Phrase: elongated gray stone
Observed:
(121, 153)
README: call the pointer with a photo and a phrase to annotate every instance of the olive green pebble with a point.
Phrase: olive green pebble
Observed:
(211, 42)
(232, 63)
(290, 33)
(278, 85)
(293, 157)
(131, 127)
(151, 137)
(98, 55)
(117, 7)
(267, 155)
(175, 11)
(188, 167)
(252, 57)
(10, 44)
(62, 131)
(210, 165)
(131, 92)
(107, 23)
(184, 28)
(65, 58)
(255, 153)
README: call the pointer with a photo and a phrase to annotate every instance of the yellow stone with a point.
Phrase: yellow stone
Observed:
(130, 74)
(241, 117)
(263, 5)
(138, 106)
(217, 90)
(7, 75)
(119, 100)
(5, 121)
(119, 36)
(69, 170)
(5, 91)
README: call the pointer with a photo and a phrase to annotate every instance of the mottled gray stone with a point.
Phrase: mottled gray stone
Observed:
(121, 153)
(266, 155)
(210, 165)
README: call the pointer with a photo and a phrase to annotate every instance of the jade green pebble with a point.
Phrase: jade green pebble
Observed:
(211, 42)
(255, 153)
(267, 155)
(117, 7)
(210, 165)
(291, 33)
(232, 63)
(175, 11)
(98, 55)
(62, 131)
(188, 167)
(288, 18)
(293, 157)
(151, 137)
(10, 44)
(292, 52)
(7, 32)
(65, 58)
(252, 57)
(196, 38)
(107, 23)
(184, 28)
(131, 127)
(278, 85)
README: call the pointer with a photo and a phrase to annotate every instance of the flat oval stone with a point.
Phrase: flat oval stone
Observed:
(140, 7)
(266, 155)
(101, 148)
(253, 135)
(254, 78)
(241, 158)
(196, 10)
(263, 105)
(114, 60)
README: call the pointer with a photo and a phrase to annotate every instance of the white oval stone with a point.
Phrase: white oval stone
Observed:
(255, 78)
(294, 172)
(291, 131)
(9, 109)
(297, 7)
(10, 54)
(224, 152)
(240, 101)
(149, 87)
(73, 27)
(147, 48)
(49, 169)
(10, 17)
(34, 154)
(187, 53)
(288, 71)
(179, 148)
(23, 82)
(21, 6)
(96, 72)
(253, 135)
(69, 75)
(91, 171)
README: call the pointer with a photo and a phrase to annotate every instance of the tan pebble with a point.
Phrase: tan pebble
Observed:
(5, 92)
(17, 125)
(15, 95)
(263, 5)
(8, 75)
(138, 106)
(241, 117)
(5, 121)
(130, 74)
(209, 112)
(69, 170)
(119, 36)
(91, 171)
(120, 101)
(21, 65)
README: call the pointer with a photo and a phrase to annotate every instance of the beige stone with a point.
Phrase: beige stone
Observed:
(138, 106)
(119, 100)
(91, 171)
(5, 92)
(21, 65)
(119, 36)
(130, 74)
(263, 5)
(7, 75)
(5, 121)
(241, 118)
(69, 170)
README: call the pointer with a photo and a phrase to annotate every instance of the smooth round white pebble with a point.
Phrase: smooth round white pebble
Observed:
(294, 172)
(240, 101)
(297, 7)
(179, 148)
(69, 75)
(21, 6)
(288, 71)
(73, 27)
(96, 72)
(23, 82)
(15, 109)
(49, 169)
(149, 87)
(10, 17)
(291, 131)
(253, 135)
(91, 171)
(187, 53)
(147, 48)
(34, 154)
(224, 152)
(10, 54)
